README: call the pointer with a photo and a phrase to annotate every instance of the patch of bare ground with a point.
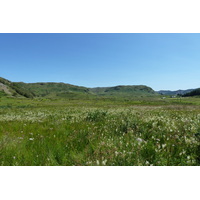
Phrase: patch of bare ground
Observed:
(4, 88)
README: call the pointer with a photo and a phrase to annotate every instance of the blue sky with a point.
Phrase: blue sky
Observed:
(160, 61)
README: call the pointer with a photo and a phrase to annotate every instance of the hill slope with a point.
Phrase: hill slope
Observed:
(9, 88)
(53, 89)
(195, 92)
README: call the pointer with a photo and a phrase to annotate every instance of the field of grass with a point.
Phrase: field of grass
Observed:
(106, 132)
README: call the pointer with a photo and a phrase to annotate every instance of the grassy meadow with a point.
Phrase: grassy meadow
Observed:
(106, 132)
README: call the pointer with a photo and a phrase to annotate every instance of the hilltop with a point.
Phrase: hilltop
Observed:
(64, 90)
(52, 89)
(124, 90)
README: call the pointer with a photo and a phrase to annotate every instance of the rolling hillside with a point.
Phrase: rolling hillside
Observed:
(8, 88)
(54, 89)
(63, 90)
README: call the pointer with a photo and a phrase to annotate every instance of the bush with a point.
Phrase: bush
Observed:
(96, 115)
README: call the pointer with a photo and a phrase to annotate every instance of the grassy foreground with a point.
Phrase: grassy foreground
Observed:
(99, 132)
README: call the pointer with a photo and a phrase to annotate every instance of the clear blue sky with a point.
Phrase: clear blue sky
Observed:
(160, 61)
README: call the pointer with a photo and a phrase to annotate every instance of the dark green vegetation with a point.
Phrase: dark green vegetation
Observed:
(2, 94)
(195, 92)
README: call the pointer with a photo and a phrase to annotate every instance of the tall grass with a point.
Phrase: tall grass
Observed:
(81, 133)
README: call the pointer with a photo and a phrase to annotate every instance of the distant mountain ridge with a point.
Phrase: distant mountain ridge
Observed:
(176, 92)
(195, 92)
(64, 90)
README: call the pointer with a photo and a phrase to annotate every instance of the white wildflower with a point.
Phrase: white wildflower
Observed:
(139, 140)
(104, 162)
(147, 162)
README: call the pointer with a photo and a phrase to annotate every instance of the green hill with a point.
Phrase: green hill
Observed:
(124, 91)
(53, 89)
(195, 92)
(13, 89)
(63, 90)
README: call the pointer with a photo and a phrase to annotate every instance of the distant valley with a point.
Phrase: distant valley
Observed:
(177, 92)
